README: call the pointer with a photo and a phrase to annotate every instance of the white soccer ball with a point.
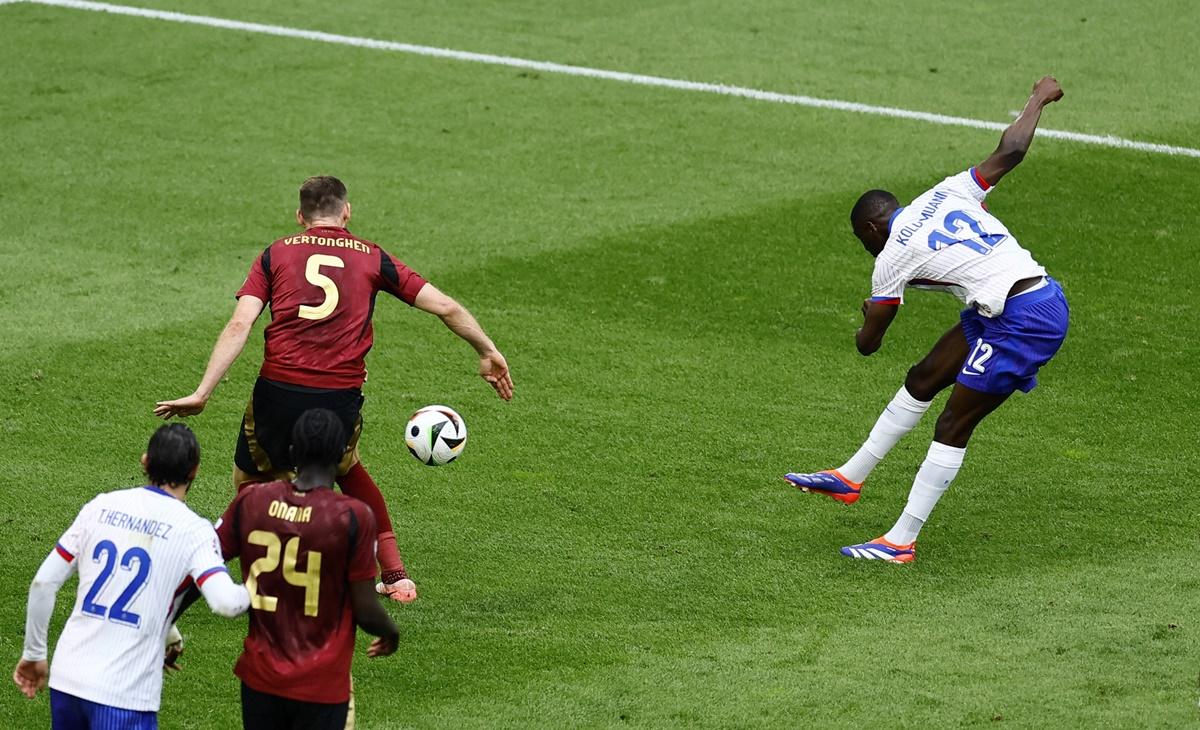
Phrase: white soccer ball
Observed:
(436, 435)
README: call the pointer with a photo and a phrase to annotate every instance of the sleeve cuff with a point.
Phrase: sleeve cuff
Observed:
(886, 300)
(984, 185)
(209, 573)
(63, 552)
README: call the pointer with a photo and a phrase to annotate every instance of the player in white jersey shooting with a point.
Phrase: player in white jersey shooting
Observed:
(137, 551)
(1015, 321)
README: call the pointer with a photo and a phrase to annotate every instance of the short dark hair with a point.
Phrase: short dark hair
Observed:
(322, 195)
(872, 205)
(318, 439)
(173, 455)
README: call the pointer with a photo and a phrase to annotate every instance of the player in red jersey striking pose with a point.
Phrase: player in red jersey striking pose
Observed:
(308, 561)
(321, 286)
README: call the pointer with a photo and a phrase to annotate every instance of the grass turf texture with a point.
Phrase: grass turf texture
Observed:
(674, 282)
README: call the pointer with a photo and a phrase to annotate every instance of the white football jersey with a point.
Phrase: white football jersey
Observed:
(137, 550)
(947, 240)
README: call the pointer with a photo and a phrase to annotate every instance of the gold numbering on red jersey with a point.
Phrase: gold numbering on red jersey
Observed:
(309, 580)
(312, 272)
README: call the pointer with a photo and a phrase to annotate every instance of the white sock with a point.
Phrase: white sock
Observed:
(933, 479)
(900, 416)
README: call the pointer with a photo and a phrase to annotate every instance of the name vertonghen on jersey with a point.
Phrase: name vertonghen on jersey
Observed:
(350, 243)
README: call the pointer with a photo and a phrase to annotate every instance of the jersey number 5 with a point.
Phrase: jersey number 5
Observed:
(309, 580)
(312, 272)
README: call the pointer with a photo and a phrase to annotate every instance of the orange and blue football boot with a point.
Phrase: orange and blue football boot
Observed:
(881, 549)
(830, 483)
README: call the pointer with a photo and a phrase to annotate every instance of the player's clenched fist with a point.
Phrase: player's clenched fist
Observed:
(1048, 90)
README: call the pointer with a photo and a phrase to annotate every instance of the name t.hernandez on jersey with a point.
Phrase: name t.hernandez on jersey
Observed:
(947, 240)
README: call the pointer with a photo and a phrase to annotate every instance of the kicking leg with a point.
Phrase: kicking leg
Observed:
(933, 374)
(357, 483)
(964, 411)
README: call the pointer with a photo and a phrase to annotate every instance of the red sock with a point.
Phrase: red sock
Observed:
(358, 483)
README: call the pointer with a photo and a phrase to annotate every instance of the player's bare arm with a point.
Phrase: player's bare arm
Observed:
(877, 317)
(230, 344)
(1015, 141)
(492, 366)
(370, 617)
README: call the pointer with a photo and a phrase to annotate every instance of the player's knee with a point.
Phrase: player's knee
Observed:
(922, 381)
(952, 429)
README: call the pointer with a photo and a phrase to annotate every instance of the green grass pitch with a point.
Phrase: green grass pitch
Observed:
(674, 282)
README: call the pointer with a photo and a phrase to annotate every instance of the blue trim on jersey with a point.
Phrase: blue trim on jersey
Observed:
(893, 218)
(68, 712)
(984, 185)
(158, 490)
(64, 553)
(208, 573)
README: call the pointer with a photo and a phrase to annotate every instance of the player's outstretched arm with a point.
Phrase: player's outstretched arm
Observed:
(1015, 141)
(371, 618)
(492, 366)
(32, 670)
(229, 345)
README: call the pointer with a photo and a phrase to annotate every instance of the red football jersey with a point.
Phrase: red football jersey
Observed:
(299, 551)
(321, 287)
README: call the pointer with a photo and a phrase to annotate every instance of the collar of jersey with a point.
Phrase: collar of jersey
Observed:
(158, 490)
(327, 228)
(892, 219)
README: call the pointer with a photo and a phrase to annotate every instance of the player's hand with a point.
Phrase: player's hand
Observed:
(1047, 90)
(494, 369)
(173, 650)
(404, 591)
(190, 406)
(31, 676)
(383, 646)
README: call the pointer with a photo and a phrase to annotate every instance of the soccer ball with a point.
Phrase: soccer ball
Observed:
(436, 435)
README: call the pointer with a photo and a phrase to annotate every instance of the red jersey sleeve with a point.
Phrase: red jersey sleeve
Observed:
(362, 543)
(227, 529)
(397, 279)
(258, 281)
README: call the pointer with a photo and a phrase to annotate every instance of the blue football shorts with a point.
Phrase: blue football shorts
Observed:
(1007, 351)
(68, 712)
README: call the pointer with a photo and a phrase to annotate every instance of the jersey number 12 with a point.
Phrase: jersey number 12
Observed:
(954, 222)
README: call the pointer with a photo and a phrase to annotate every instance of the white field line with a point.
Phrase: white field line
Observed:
(596, 73)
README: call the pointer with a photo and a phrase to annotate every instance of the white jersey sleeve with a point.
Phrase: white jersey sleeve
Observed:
(71, 543)
(208, 570)
(967, 184)
(888, 281)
